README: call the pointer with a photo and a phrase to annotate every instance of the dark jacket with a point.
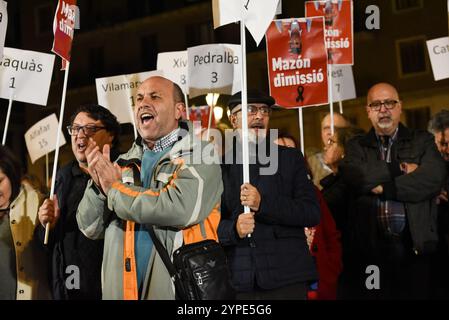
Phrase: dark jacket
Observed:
(276, 254)
(335, 193)
(91, 257)
(362, 169)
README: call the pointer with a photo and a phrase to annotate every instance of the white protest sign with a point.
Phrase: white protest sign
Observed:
(257, 14)
(214, 68)
(118, 93)
(343, 83)
(439, 57)
(27, 75)
(174, 67)
(3, 25)
(41, 138)
(279, 8)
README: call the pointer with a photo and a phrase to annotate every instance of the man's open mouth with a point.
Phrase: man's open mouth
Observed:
(81, 147)
(145, 118)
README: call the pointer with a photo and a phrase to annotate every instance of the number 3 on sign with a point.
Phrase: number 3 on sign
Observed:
(183, 79)
(214, 77)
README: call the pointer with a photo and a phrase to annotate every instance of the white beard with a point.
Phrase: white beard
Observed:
(385, 125)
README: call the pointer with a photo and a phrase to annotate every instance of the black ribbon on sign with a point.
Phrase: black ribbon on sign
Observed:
(300, 97)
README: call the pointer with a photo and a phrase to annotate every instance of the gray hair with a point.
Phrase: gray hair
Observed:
(439, 122)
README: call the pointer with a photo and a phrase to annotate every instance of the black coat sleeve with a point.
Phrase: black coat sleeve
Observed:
(360, 172)
(298, 209)
(427, 180)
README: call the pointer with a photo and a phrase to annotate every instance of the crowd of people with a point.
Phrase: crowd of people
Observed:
(367, 217)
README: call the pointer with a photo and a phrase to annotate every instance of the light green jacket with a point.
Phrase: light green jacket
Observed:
(171, 203)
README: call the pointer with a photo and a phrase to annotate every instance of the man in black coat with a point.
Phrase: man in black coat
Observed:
(395, 174)
(274, 261)
(439, 127)
(76, 260)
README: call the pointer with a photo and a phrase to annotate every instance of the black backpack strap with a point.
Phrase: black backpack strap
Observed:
(162, 253)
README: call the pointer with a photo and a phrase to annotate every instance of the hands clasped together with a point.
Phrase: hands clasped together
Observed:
(102, 171)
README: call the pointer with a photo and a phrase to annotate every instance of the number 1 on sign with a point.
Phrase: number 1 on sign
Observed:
(12, 83)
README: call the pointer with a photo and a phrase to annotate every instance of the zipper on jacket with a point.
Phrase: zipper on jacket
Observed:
(198, 278)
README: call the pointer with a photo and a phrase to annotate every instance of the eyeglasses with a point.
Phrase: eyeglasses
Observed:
(89, 130)
(377, 105)
(252, 110)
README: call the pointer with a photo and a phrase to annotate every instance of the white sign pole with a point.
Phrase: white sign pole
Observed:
(301, 130)
(211, 111)
(46, 169)
(331, 103)
(186, 99)
(7, 119)
(340, 103)
(58, 139)
(245, 147)
(133, 121)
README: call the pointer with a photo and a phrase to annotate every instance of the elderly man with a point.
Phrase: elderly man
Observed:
(395, 174)
(274, 262)
(172, 194)
(68, 247)
(317, 166)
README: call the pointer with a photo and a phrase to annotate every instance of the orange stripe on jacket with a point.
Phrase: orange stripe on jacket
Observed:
(133, 193)
(193, 234)
(130, 291)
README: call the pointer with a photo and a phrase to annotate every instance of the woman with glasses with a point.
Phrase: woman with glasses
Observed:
(23, 269)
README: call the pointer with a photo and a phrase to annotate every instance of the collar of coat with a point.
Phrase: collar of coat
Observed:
(184, 146)
(370, 139)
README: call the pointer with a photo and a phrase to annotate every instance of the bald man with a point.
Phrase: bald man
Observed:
(157, 185)
(395, 173)
(317, 166)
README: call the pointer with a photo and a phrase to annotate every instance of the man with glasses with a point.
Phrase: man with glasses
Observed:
(395, 174)
(72, 254)
(274, 262)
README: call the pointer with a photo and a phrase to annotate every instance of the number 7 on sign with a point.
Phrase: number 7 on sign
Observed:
(247, 4)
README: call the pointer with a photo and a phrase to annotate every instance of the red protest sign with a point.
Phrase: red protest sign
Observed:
(64, 28)
(201, 114)
(297, 62)
(338, 19)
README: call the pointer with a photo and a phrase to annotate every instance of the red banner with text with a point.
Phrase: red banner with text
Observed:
(338, 20)
(297, 62)
(64, 28)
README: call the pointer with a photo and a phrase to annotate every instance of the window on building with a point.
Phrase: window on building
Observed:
(201, 33)
(412, 56)
(418, 118)
(405, 5)
(149, 52)
(96, 62)
(43, 16)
